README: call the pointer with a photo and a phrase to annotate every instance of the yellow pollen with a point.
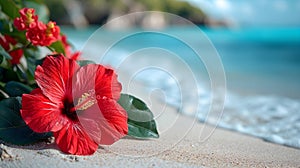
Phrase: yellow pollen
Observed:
(50, 25)
(29, 16)
(85, 102)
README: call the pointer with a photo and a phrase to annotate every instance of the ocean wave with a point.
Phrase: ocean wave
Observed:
(272, 118)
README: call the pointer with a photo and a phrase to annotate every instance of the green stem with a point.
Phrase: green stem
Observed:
(51, 49)
(4, 94)
(2, 84)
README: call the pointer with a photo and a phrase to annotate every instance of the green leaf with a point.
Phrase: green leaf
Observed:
(18, 2)
(4, 53)
(85, 62)
(1, 73)
(9, 75)
(4, 56)
(13, 129)
(32, 61)
(21, 73)
(58, 47)
(140, 119)
(14, 89)
(3, 62)
(9, 8)
(40, 9)
(37, 1)
(31, 66)
(3, 95)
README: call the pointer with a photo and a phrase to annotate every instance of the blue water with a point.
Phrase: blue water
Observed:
(270, 56)
(262, 67)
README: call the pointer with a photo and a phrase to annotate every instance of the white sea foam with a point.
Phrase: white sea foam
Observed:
(272, 118)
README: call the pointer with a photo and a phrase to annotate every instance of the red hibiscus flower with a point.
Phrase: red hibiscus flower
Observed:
(7, 43)
(43, 35)
(68, 52)
(78, 104)
(27, 19)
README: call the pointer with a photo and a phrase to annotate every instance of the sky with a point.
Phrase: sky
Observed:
(253, 12)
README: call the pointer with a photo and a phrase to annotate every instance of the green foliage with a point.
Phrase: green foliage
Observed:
(15, 89)
(140, 119)
(4, 56)
(10, 8)
(23, 73)
(32, 60)
(13, 129)
(8, 75)
(183, 9)
(58, 47)
(98, 11)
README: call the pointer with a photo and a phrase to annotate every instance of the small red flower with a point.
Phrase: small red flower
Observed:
(79, 105)
(43, 35)
(37, 32)
(68, 52)
(36, 35)
(52, 32)
(7, 43)
(27, 19)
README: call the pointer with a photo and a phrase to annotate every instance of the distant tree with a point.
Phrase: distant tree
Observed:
(98, 11)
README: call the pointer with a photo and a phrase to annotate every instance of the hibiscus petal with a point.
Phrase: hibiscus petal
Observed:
(106, 122)
(108, 85)
(98, 79)
(40, 114)
(54, 77)
(73, 139)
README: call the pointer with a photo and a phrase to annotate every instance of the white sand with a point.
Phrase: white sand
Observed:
(222, 149)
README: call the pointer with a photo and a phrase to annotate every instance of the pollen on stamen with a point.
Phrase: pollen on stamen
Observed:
(29, 15)
(87, 100)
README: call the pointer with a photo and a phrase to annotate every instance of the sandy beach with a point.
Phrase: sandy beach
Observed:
(183, 143)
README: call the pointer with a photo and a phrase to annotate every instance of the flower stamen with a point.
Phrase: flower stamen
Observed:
(87, 100)
(29, 15)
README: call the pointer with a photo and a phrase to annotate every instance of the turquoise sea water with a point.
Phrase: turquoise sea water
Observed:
(262, 67)
(271, 56)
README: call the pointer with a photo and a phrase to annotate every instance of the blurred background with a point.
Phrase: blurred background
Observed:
(81, 13)
(227, 13)
(258, 42)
